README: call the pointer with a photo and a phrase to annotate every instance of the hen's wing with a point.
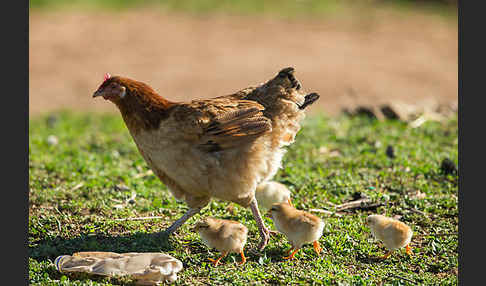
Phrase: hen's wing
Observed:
(234, 128)
(222, 123)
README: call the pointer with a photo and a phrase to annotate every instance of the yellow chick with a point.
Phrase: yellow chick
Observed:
(271, 192)
(225, 235)
(298, 226)
(393, 233)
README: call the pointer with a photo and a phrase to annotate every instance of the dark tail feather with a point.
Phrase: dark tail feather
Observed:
(289, 73)
(309, 99)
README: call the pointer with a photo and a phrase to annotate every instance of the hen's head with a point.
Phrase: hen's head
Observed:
(113, 88)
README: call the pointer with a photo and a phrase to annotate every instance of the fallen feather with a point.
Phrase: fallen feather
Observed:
(150, 268)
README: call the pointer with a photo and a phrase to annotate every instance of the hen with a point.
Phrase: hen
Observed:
(221, 147)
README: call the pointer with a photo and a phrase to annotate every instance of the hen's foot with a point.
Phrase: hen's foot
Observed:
(274, 232)
(264, 232)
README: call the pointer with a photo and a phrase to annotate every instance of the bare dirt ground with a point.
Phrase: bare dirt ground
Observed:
(368, 59)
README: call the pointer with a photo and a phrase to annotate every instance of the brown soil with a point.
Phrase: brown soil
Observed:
(369, 59)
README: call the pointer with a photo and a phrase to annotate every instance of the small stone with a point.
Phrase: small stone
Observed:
(389, 112)
(121, 187)
(416, 194)
(448, 167)
(51, 121)
(390, 152)
(366, 111)
(52, 140)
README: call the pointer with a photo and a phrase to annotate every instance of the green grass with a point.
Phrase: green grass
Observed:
(286, 8)
(97, 151)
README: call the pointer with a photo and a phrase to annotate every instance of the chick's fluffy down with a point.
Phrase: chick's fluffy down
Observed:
(224, 235)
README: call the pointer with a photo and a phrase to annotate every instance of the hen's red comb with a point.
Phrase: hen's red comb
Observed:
(107, 76)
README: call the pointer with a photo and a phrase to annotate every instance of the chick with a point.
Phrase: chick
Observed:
(224, 235)
(393, 233)
(271, 192)
(299, 227)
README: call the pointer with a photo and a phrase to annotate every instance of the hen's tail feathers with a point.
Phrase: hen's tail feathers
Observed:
(309, 99)
(289, 74)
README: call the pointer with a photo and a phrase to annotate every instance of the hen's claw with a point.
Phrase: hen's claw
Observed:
(274, 232)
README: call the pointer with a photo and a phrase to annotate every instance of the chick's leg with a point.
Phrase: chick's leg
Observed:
(178, 223)
(317, 247)
(290, 250)
(386, 255)
(408, 249)
(243, 258)
(292, 255)
(290, 201)
(264, 232)
(216, 262)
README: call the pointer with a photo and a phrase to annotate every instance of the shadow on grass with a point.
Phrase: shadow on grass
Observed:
(368, 259)
(51, 248)
(138, 242)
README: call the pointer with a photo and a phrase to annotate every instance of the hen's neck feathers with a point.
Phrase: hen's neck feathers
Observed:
(142, 108)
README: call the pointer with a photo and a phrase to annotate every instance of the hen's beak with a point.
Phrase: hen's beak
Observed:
(97, 93)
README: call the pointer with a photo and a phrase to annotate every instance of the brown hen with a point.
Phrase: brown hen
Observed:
(221, 147)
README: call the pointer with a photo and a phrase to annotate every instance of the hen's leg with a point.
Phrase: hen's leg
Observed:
(182, 220)
(264, 232)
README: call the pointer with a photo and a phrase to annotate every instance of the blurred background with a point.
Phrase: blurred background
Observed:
(350, 52)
